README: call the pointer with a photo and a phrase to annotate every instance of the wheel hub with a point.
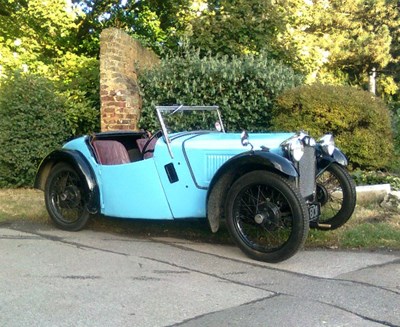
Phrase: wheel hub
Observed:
(322, 194)
(259, 218)
(71, 197)
(269, 215)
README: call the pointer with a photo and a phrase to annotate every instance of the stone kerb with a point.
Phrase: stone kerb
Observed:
(119, 91)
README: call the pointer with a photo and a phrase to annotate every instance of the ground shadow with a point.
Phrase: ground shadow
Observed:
(196, 230)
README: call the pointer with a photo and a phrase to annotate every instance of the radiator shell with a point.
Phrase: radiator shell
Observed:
(307, 173)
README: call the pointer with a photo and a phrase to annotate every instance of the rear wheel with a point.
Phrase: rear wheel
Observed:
(337, 194)
(65, 198)
(266, 216)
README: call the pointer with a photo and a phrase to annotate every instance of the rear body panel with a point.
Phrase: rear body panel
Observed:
(130, 190)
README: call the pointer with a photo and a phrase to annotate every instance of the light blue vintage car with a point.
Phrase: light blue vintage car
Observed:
(268, 188)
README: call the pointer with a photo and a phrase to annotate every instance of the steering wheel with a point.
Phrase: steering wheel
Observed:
(156, 135)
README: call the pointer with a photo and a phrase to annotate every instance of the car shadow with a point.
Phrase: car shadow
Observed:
(196, 230)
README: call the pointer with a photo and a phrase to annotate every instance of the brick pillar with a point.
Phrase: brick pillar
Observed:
(119, 92)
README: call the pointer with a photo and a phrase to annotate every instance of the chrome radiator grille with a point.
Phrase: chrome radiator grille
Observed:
(307, 171)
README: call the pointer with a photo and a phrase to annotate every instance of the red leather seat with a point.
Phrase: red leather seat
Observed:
(109, 152)
(149, 151)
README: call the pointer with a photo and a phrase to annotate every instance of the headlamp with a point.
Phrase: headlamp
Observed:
(295, 147)
(327, 143)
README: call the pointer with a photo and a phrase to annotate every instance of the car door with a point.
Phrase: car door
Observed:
(133, 190)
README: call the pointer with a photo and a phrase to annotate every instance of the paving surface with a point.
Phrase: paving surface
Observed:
(50, 277)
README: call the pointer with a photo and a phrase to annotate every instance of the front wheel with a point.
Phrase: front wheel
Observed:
(266, 216)
(336, 192)
(65, 198)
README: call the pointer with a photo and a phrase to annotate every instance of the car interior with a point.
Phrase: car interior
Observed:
(112, 148)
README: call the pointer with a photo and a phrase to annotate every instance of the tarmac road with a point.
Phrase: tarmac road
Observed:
(49, 277)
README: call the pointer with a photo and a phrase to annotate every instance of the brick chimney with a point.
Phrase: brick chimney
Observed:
(119, 91)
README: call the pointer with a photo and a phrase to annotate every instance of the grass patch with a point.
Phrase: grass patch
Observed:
(371, 227)
(371, 235)
(22, 204)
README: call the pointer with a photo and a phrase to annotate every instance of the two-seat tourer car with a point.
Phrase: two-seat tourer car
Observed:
(268, 188)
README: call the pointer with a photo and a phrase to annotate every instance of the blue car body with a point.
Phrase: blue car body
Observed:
(142, 188)
(254, 180)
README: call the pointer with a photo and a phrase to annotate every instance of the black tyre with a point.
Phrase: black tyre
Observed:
(266, 216)
(336, 192)
(65, 198)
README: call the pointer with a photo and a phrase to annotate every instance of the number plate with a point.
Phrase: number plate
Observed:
(314, 210)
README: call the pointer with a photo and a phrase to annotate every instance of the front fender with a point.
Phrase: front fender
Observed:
(256, 160)
(78, 161)
(324, 160)
(278, 162)
(259, 158)
(235, 167)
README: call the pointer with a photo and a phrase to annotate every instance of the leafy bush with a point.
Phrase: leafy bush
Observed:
(376, 177)
(32, 124)
(244, 88)
(81, 115)
(359, 121)
(80, 85)
(395, 166)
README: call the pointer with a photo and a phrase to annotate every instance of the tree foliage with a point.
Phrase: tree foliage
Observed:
(334, 41)
(238, 27)
(351, 37)
(32, 35)
(159, 24)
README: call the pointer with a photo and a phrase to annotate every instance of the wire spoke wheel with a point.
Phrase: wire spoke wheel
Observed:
(65, 199)
(266, 216)
(330, 192)
(337, 195)
(262, 217)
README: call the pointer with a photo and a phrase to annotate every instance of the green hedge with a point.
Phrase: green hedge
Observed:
(80, 86)
(376, 177)
(359, 121)
(396, 127)
(244, 88)
(32, 124)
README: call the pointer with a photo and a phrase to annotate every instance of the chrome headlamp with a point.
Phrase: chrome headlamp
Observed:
(294, 147)
(307, 139)
(327, 143)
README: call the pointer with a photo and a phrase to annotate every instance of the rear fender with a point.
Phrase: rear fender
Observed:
(83, 168)
(233, 169)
